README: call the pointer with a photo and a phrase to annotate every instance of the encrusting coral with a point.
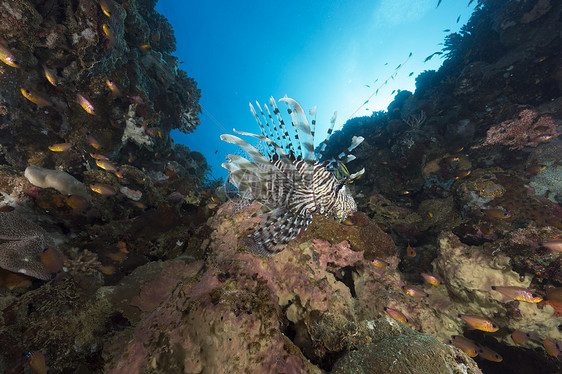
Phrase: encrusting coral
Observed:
(26, 248)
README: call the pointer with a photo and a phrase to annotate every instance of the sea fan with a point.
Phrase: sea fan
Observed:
(287, 178)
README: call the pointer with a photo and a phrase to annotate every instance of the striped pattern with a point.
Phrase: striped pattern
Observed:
(292, 185)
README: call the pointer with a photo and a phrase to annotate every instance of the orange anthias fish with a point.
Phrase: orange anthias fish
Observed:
(414, 292)
(106, 165)
(37, 362)
(85, 104)
(479, 323)
(7, 57)
(97, 156)
(489, 355)
(105, 8)
(411, 252)
(464, 344)
(397, 315)
(432, 279)
(113, 87)
(94, 143)
(518, 293)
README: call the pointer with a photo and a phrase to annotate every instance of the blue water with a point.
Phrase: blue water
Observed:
(319, 53)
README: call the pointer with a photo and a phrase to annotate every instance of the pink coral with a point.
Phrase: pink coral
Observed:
(529, 130)
(340, 255)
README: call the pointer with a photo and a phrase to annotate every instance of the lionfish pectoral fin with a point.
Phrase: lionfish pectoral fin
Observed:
(272, 237)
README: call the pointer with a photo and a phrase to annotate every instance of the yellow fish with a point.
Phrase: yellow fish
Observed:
(479, 323)
(113, 87)
(85, 104)
(77, 203)
(103, 189)
(489, 355)
(414, 292)
(107, 269)
(97, 156)
(397, 315)
(465, 345)
(432, 279)
(411, 252)
(60, 147)
(94, 143)
(107, 31)
(145, 47)
(106, 165)
(105, 8)
(7, 57)
(379, 263)
(50, 75)
(35, 98)
(497, 213)
(462, 173)
(518, 293)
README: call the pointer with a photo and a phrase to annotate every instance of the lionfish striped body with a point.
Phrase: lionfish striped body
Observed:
(291, 183)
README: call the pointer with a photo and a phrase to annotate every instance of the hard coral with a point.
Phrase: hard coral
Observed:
(529, 130)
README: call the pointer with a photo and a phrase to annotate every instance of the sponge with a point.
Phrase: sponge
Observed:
(57, 179)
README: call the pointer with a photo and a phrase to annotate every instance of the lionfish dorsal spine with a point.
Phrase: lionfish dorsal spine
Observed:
(290, 149)
(312, 112)
(262, 128)
(272, 127)
(279, 151)
(330, 130)
(302, 128)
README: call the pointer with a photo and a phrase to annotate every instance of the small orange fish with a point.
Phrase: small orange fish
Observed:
(544, 138)
(105, 8)
(106, 165)
(464, 344)
(497, 213)
(103, 189)
(411, 252)
(462, 173)
(452, 159)
(113, 87)
(554, 245)
(145, 47)
(7, 57)
(122, 246)
(107, 31)
(489, 355)
(97, 156)
(397, 315)
(85, 104)
(50, 75)
(432, 279)
(519, 337)
(479, 323)
(379, 263)
(551, 347)
(78, 203)
(414, 292)
(94, 143)
(60, 147)
(518, 293)
(117, 256)
(35, 98)
(37, 362)
(107, 269)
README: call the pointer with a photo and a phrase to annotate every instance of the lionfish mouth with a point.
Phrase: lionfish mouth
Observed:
(288, 177)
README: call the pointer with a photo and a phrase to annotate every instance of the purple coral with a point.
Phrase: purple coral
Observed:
(529, 130)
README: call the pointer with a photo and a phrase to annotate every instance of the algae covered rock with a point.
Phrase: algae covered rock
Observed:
(407, 352)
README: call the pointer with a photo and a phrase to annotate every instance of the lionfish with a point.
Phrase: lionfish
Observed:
(287, 178)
